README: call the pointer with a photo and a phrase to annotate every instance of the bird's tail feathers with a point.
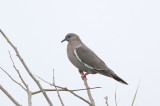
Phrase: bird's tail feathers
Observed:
(119, 79)
(111, 74)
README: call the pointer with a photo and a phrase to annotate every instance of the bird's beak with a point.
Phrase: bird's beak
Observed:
(63, 40)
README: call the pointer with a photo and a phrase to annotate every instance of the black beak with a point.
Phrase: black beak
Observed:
(63, 40)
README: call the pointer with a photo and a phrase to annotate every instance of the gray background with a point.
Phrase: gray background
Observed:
(124, 33)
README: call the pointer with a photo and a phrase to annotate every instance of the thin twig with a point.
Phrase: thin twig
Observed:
(43, 80)
(36, 92)
(80, 97)
(28, 90)
(65, 89)
(57, 90)
(27, 69)
(106, 98)
(9, 96)
(47, 82)
(17, 70)
(13, 79)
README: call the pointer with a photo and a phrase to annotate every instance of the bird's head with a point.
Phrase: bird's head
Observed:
(69, 37)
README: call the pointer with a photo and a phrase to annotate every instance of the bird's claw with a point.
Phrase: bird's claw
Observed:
(84, 75)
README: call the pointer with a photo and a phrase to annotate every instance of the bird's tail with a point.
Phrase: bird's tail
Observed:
(111, 74)
(119, 79)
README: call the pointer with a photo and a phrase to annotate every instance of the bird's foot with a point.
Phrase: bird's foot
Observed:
(81, 72)
(84, 75)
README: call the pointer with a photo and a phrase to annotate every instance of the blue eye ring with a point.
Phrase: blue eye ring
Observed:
(69, 36)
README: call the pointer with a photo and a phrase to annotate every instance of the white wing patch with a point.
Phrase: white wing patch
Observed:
(77, 56)
(75, 52)
(88, 66)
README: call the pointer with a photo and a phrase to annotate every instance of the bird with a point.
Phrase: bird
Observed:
(86, 60)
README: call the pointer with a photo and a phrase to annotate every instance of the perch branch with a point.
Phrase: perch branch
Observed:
(88, 90)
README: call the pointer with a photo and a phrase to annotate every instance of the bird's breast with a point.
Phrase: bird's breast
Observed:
(73, 59)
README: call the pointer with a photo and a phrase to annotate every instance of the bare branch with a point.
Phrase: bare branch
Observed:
(17, 71)
(57, 90)
(29, 97)
(62, 88)
(67, 90)
(48, 82)
(13, 79)
(27, 69)
(10, 97)
(106, 98)
(80, 97)
(88, 90)
(36, 92)
(44, 80)
(28, 91)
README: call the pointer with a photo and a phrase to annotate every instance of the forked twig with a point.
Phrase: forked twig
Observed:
(27, 88)
(65, 89)
(57, 90)
(13, 79)
(17, 70)
(106, 98)
(27, 69)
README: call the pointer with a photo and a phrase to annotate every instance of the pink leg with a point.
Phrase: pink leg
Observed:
(84, 75)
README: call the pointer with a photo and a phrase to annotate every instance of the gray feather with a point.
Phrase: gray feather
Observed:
(85, 59)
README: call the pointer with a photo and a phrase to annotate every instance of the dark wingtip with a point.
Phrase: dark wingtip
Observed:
(119, 79)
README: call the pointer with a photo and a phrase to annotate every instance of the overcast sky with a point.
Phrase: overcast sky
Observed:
(124, 33)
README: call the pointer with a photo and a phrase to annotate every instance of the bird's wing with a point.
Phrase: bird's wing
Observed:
(93, 62)
(87, 57)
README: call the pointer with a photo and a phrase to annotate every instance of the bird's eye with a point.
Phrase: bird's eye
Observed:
(69, 36)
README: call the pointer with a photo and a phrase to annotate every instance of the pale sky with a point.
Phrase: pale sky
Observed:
(125, 34)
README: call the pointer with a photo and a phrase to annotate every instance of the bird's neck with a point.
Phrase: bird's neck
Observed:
(75, 43)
